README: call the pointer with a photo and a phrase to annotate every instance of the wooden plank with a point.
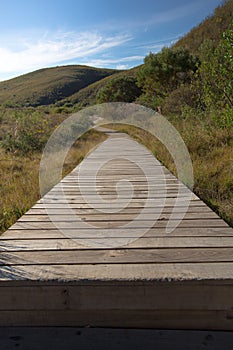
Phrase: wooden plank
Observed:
(200, 319)
(133, 204)
(120, 272)
(92, 215)
(100, 196)
(205, 232)
(132, 177)
(98, 216)
(157, 199)
(112, 190)
(143, 185)
(73, 338)
(99, 296)
(111, 224)
(84, 242)
(117, 256)
(38, 210)
(73, 180)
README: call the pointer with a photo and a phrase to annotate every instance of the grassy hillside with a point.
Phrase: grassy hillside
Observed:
(211, 28)
(47, 86)
(87, 95)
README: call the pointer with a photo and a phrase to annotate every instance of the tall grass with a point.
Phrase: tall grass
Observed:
(211, 151)
(19, 186)
(19, 177)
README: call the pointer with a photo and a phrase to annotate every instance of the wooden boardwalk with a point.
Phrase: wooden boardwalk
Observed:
(93, 264)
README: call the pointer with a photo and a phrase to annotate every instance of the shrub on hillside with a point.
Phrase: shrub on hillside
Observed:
(120, 89)
(166, 71)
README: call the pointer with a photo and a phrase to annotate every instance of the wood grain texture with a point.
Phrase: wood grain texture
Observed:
(51, 273)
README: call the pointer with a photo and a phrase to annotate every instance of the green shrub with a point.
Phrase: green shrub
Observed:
(166, 71)
(29, 132)
(120, 89)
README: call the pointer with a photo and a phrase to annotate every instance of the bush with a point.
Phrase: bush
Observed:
(181, 98)
(215, 74)
(166, 71)
(120, 89)
(28, 133)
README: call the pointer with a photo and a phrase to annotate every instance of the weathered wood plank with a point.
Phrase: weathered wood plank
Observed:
(111, 224)
(39, 210)
(98, 216)
(138, 203)
(113, 194)
(98, 296)
(205, 232)
(117, 256)
(188, 319)
(85, 241)
(120, 272)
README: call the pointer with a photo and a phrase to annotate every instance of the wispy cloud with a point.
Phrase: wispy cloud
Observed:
(108, 46)
(54, 48)
(157, 45)
(157, 18)
(118, 63)
(175, 13)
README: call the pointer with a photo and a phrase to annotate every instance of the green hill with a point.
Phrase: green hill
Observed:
(87, 95)
(49, 85)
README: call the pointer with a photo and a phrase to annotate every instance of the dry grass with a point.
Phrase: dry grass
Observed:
(19, 186)
(19, 177)
(211, 151)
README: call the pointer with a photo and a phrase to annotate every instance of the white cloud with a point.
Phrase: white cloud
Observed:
(159, 44)
(49, 49)
(114, 62)
(122, 66)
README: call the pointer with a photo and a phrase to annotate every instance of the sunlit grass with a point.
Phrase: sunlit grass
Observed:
(19, 177)
(211, 151)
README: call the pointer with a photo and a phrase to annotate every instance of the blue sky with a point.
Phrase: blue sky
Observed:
(99, 33)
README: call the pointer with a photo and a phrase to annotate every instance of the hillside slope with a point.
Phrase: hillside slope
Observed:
(87, 95)
(211, 28)
(49, 85)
